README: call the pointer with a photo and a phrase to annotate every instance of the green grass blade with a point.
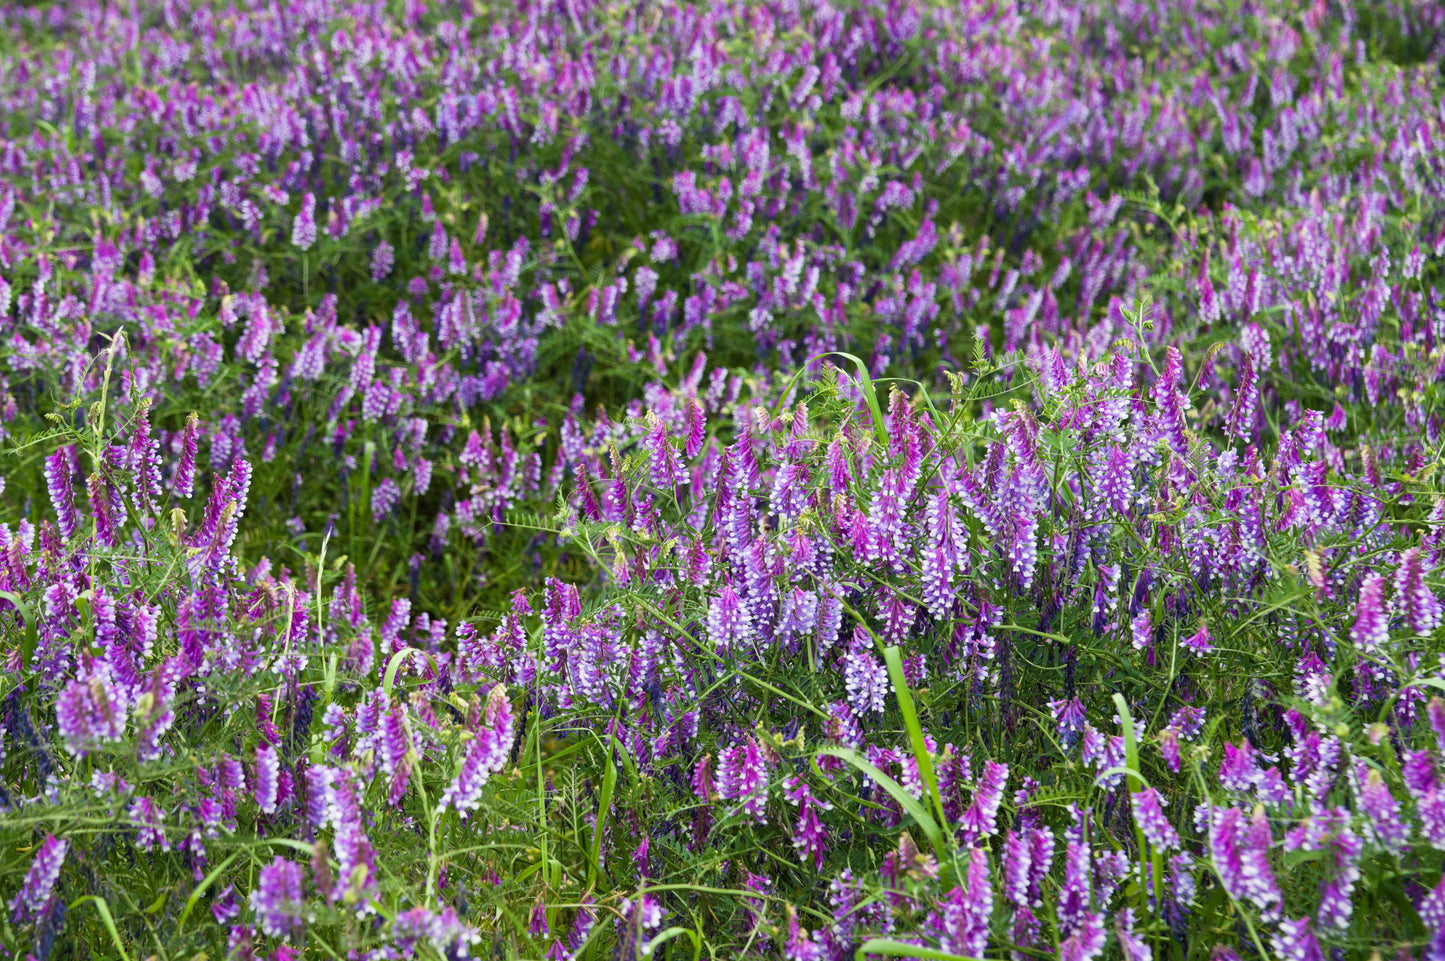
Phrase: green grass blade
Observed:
(909, 802)
(106, 919)
(894, 660)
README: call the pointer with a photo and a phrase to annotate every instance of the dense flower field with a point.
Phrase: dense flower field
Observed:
(763, 478)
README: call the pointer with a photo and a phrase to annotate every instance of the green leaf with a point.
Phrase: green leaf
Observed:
(32, 629)
(1293, 859)
(394, 664)
(897, 949)
(870, 394)
(1131, 746)
(604, 805)
(668, 935)
(894, 660)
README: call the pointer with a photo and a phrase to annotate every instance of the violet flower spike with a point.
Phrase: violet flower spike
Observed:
(40, 880)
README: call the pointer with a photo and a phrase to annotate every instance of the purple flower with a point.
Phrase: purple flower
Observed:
(90, 712)
(865, 676)
(59, 471)
(384, 498)
(149, 820)
(396, 751)
(799, 946)
(1432, 913)
(303, 228)
(1131, 946)
(696, 430)
(667, 472)
(981, 819)
(1116, 486)
(1240, 423)
(1027, 859)
(106, 507)
(443, 930)
(1076, 896)
(1087, 940)
(268, 778)
(183, 484)
(808, 834)
(966, 912)
(742, 774)
(1149, 815)
(1141, 630)
(1371, 632)
(1295, 941)
(1200, 641)
(486, 754)
(1413, 596)
(1380, 807)
(1239, 846)
(278, 899)
(1069, 719)
(942, 554)
(40, 880)
(728, 622)
(886, 520)
(1328, 830)
(382, 259)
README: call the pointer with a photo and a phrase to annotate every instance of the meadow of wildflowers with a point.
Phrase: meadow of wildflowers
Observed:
(803, 479)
